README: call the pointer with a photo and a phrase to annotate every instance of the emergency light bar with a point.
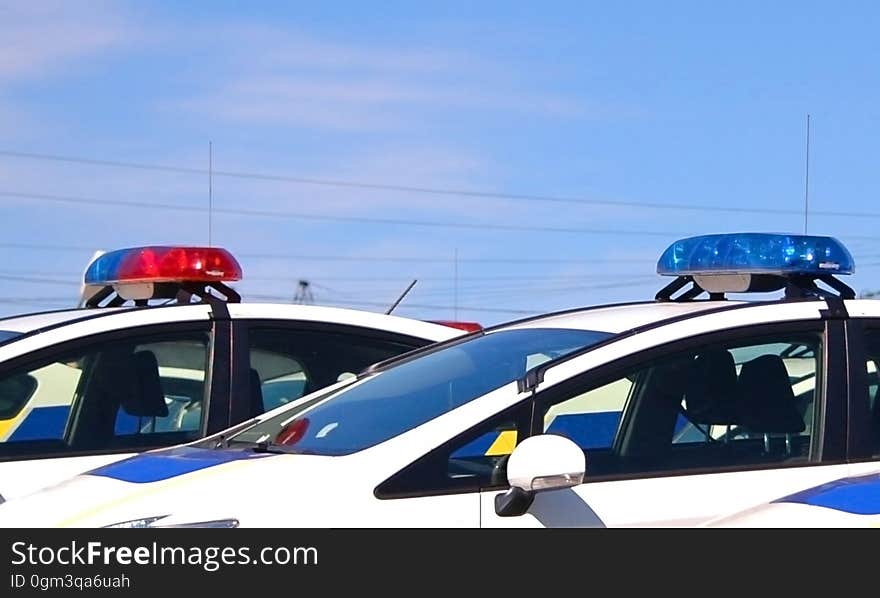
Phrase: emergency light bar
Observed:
(756, 253)
(747, 262)
(163, 264)
(158, 271)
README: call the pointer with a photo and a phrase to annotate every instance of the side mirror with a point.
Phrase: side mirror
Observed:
(539, 463)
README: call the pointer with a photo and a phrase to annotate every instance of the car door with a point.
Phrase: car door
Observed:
(694, 428)
(84, 403)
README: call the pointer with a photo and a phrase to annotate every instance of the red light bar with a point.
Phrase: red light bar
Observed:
(467, 326)
(163, 264)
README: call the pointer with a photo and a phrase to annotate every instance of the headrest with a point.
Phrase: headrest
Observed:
(143, 396)
(766, 402)
(711, 389)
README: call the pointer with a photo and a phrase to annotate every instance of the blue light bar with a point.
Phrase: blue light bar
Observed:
(755, 253)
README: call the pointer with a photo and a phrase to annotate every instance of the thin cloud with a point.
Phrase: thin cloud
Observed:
(37, 38)
(273, 78)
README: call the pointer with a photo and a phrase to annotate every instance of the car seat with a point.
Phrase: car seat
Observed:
(766, 403)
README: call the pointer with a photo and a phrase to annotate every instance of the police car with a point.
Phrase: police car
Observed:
(669, 412)
(84, 387)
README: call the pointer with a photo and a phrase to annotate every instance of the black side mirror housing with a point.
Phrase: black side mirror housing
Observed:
(514, 502)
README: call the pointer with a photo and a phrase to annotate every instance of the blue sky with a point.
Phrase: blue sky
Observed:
(665, 104)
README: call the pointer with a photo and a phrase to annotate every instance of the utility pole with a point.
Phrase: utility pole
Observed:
(304, 293)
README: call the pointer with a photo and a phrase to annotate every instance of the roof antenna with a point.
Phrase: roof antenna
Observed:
(210, 187)
(807, 178)
(402, 295)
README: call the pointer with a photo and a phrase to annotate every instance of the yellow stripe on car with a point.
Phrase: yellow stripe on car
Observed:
(150, 488)
(503, 445)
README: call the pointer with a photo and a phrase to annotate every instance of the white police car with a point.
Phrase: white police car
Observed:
(668, 412)
(84, 387)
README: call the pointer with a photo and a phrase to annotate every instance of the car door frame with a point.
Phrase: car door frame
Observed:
(828, 446)
(859, 437)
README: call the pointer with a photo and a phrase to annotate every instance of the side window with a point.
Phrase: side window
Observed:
(287, 363)
(181, 365)
(110, 394)
(873, 347)
(484, 456)
(716, 407)
(591, 418)
(473, 461)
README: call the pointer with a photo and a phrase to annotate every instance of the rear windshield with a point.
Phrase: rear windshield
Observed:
(411, 393)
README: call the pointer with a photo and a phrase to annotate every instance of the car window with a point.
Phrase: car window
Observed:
(107, 394)
(717, 406)
(288, 363)
(413, 392)
(873, 367)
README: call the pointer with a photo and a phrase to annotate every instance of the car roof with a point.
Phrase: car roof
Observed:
(619, 318)
(28, 323)
(340, 315)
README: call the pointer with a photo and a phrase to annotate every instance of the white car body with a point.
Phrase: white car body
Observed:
(42, 332)
(188, 485)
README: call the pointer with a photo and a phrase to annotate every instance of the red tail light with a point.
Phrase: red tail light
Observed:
(466, 326)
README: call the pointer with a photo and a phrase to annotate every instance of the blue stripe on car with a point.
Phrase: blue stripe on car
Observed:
(42, 423)
(154, 467)
(859, 496)
(587, 430)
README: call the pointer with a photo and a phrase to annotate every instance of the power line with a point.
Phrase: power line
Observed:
(38, 280)
(356, 219)
(406, 304)
(42, 247)
(351, 258)
(411, 189)
(438, 260)
(402, 278)
(398, 259)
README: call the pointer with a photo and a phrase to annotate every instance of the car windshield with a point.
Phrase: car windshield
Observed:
(391, 402)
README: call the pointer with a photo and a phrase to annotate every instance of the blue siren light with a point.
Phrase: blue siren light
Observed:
(756, 253)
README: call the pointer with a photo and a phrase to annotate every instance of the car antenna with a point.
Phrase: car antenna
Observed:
(402, 295)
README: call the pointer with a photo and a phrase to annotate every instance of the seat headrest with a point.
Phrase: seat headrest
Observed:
(711, 388)
(142, 396)
(766, 400)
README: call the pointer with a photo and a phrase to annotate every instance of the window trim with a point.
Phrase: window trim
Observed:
(611, 371)
(859, 437)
